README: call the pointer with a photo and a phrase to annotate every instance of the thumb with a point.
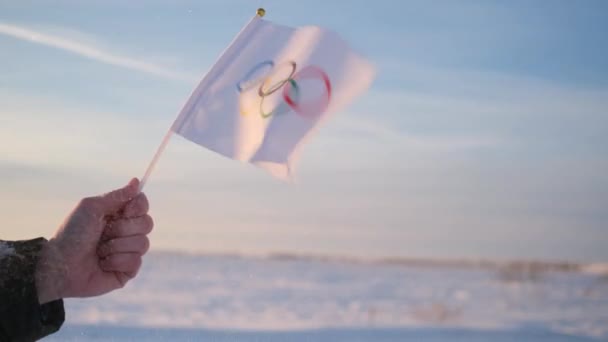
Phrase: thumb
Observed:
(115, 200)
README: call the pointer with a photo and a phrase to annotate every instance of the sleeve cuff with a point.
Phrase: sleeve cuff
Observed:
(22, 318)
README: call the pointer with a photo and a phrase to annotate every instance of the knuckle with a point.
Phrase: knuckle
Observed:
(138, 206)
(145, 244)
(148, 223)
(138, 262)
(132, 263)
(134, 270)
(87, 202)
(144, 205)
(122, 281)
(111, 196)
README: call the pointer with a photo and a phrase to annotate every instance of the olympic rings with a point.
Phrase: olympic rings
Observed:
(291, 90)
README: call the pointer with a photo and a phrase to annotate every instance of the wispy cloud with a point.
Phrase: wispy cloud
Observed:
(91, 52)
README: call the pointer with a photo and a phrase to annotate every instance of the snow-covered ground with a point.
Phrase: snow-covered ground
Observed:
(232, 298)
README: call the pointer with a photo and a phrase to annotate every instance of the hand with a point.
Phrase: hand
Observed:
(98, 249)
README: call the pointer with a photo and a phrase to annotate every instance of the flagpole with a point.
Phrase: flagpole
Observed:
(155, 159)
(260, 12)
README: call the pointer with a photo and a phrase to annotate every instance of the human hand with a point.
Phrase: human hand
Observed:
(98, 249)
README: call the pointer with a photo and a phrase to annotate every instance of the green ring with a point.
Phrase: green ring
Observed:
(294, 85)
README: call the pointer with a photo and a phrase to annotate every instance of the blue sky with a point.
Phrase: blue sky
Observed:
(484, 135)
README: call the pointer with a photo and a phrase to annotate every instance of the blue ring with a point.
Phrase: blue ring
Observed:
(239, 85)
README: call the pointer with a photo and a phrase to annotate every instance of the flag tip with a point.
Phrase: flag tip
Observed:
(260, 12)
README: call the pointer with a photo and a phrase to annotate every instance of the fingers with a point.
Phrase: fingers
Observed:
(127, 263)
(129, 227)
(125, 231)
(116, 200)
(138, 244)
(136, 207)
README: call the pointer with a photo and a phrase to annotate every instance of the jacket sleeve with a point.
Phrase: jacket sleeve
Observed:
(22, 318)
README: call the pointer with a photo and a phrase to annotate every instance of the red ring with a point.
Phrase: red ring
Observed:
(307, 72)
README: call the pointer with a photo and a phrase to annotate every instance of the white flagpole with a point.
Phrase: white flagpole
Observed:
(159, 151)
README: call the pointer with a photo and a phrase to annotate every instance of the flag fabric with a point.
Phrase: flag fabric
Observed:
(269, 91)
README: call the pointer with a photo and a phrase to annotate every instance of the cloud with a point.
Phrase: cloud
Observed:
(92, 52)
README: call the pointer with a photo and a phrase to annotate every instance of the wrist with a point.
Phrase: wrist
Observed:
(51, 274)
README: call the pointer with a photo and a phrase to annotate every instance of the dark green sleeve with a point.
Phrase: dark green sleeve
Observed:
(22, 318)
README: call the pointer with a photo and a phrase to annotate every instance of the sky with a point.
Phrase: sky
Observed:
(484, 135)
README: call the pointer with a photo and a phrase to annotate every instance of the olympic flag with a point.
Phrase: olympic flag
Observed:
(270, 89)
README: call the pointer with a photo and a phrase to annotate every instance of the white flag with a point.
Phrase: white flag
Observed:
(269, 91)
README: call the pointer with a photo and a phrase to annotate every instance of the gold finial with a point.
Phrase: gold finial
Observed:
(260, 12)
